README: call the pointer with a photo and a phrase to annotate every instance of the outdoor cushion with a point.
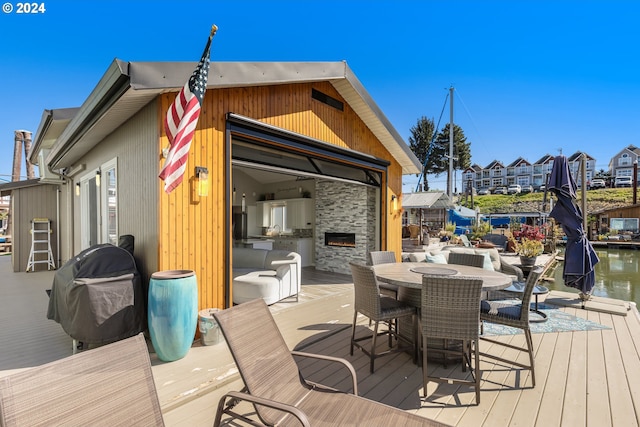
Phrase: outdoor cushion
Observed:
(487, 262)
(249, 259)
(268, 274)
(436, 258)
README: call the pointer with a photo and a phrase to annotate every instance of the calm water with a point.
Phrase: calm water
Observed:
(616, 275)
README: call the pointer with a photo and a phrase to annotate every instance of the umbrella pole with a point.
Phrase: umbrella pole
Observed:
(583, 166)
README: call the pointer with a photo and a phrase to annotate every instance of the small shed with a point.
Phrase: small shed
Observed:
(32, 198)
(426, 209)
(602, 224)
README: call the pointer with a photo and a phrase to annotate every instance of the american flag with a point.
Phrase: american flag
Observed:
(181, 120)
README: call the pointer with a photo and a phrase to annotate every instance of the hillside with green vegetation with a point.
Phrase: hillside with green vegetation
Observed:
(597, 200)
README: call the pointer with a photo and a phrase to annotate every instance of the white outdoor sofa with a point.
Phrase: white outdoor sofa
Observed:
(272, 275)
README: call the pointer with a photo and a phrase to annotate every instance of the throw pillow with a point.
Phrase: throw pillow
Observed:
(488, 265)
(436, 259)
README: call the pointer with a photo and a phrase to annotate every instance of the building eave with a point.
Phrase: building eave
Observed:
(125, 88)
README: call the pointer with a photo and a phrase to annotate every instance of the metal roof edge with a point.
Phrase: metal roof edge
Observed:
(47, 119)
(158, 77)
(109, 89)
(167, 76)
(5, 189)
(45, 122)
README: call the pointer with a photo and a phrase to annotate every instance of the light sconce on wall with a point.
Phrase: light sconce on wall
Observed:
(98, 173)
(394, 203)
(202, 181)
(78, 189)
(233, 200)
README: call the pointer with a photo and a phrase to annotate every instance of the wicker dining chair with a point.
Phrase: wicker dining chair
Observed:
(451, 311)
(514, 314)
(473, 260)
(378, 308)
(384, 257)
(275, 386)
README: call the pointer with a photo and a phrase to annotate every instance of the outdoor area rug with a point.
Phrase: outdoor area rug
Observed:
(557, 321)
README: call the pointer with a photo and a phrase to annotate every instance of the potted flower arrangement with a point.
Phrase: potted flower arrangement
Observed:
(529, 249)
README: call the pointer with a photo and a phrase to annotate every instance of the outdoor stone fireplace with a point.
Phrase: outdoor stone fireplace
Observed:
(346, 213)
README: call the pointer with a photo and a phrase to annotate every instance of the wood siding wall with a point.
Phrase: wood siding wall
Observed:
(192, 229)
(134, 144)
(32, 202)
(622, 212)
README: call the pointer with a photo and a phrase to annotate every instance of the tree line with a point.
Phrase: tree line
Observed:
(432, 149)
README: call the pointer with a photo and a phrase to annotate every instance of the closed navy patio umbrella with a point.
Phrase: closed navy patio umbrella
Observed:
(579, 258)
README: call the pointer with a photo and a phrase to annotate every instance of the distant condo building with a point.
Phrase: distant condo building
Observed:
(622, 164)
(522, 172)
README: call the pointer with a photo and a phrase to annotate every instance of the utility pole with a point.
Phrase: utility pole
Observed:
(583, 187)
(450, 176)
(635, 182)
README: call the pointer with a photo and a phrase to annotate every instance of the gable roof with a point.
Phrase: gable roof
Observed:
(577, 156)
(126, 87)
(517, 162)
(426, 200)
(544, 159)
(495, 164)
(630, 148)
(473, 168)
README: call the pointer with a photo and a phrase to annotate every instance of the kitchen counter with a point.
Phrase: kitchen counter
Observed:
(254, 243)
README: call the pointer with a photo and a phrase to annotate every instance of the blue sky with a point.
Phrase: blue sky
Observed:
(530, 77)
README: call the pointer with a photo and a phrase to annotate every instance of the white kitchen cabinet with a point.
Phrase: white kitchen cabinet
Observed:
(263, 214)
(300, 213)
(302, 246)
(305, 249)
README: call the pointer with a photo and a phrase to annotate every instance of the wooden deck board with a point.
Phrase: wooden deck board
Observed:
(604, 305)
(583, 377)
(622, 410)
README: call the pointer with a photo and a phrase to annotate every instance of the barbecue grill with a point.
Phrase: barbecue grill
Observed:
(97, 296)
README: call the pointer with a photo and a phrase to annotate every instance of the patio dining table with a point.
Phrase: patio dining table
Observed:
(408, 277)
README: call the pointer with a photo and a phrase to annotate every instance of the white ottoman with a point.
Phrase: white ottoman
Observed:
(256, 284)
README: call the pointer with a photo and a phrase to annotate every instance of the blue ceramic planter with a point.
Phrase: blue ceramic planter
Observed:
(172, 312)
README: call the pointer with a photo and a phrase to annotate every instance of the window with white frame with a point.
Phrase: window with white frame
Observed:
(109, 202)
(99, 206)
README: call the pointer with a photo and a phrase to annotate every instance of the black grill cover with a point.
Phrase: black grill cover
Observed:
(97, 296)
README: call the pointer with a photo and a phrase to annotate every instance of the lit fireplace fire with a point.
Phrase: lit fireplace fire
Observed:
(345, 240)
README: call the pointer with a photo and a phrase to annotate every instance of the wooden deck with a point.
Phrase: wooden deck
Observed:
(583, 377)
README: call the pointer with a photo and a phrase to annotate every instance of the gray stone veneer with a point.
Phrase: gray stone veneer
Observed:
(344, 208)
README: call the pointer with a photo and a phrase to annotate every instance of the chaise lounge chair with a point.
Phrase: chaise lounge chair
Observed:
(273, 383)
(111, 385)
